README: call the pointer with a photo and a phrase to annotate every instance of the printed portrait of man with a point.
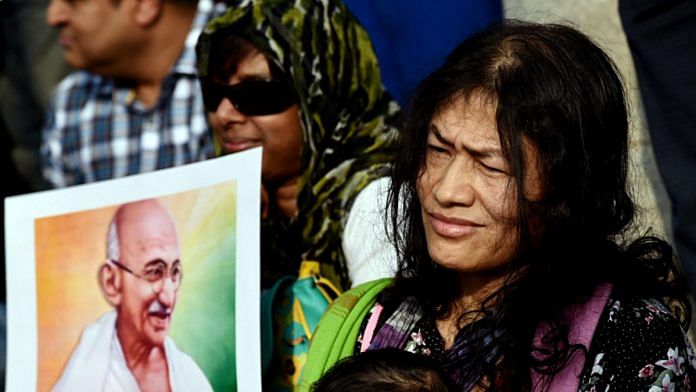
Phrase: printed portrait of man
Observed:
(128, 348)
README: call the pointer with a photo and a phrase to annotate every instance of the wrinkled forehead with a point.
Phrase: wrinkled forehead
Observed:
(148, 236)
(152, 248)
(473, 100)
(472, 115)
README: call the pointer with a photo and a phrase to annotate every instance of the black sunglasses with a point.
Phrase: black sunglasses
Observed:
(251, 97)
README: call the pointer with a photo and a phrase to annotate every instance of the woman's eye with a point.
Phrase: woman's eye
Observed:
(436, 149)
(492, 169)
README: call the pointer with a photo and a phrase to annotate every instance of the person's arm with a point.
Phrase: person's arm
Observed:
(639, 346)
(369, 252)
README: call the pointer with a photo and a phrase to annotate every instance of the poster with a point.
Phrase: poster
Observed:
(148, 278)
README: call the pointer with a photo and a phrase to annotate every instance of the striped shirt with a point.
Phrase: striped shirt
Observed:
(96, 129)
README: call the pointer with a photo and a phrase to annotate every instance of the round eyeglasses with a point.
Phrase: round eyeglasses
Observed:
(156, 274)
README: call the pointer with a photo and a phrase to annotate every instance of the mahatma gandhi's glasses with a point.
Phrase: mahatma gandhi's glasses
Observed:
(156, 274)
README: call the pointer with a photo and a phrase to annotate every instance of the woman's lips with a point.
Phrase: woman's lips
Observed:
(232, 146)
(452, 227)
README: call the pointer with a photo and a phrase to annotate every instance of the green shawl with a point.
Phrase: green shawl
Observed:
(347, 116)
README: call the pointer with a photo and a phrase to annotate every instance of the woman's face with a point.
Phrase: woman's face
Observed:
(280, 134)
(468, 198)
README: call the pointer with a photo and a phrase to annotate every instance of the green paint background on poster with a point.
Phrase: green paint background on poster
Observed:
(207, 332)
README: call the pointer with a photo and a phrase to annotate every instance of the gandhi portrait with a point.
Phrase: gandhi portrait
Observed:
(128, 348)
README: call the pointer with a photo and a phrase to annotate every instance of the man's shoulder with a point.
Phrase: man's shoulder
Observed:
(104, 325)
(88, 362)
(76, 97)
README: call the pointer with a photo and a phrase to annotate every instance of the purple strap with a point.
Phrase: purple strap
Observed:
(583, 322)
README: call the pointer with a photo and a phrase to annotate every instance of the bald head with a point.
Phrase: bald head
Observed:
(134, 223)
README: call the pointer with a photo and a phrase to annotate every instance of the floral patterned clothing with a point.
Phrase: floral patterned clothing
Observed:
(638, 346)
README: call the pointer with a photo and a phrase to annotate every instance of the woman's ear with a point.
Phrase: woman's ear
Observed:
(110, 282)
(146, 12)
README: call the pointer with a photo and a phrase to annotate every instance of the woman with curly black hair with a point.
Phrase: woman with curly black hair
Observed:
(511, 214)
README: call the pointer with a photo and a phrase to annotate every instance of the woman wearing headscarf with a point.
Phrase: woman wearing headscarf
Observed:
(301, 79)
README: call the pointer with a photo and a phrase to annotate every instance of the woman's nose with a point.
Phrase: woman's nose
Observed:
(455, 185)
(227, 112)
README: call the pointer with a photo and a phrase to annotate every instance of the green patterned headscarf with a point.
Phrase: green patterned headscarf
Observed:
(346, 114)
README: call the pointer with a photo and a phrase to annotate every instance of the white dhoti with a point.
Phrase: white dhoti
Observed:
(98, 364)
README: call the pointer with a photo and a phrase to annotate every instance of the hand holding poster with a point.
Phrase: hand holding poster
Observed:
(137, 282)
